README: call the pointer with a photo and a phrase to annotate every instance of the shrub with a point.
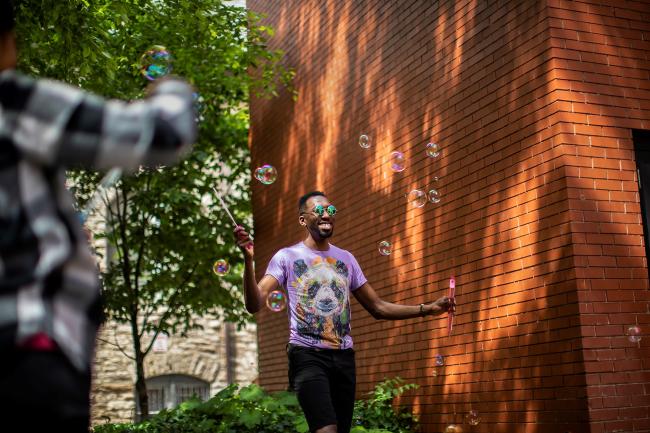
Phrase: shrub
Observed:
(378, 415)
(253, 410)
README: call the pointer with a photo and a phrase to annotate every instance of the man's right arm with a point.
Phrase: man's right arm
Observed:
(254, 293)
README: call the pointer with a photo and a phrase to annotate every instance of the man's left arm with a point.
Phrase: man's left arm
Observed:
(380, 309)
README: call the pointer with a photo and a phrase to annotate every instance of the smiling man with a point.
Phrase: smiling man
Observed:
(318, 278)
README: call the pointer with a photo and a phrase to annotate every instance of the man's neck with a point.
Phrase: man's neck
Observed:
(320, 245)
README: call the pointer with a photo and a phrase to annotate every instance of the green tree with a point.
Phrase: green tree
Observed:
(164, 224)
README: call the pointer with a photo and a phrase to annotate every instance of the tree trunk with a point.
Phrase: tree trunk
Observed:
(141, 386)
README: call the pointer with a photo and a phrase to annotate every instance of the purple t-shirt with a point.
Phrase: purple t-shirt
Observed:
(318, 284)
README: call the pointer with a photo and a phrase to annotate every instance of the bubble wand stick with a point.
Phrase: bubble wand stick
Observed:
(450, 314)
(223, 205)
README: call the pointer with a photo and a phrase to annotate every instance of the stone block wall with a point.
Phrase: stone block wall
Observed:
(203, 354)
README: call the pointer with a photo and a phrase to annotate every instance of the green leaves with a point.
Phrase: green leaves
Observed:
(249, 410)
(253, 410)
(164, 226)
(378, 414)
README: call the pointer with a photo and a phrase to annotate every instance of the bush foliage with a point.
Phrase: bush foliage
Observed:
(250, 409)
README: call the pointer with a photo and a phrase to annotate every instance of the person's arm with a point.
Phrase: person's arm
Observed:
(380, 309)
(55, 124)
(254, 293)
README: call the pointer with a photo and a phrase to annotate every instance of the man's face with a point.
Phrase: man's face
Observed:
(321, 226)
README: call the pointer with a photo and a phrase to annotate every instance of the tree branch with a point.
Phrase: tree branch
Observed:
(170, 305)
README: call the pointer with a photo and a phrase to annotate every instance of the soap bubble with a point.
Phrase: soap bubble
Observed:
(221, 267)
(385, 248)
(453, 428)
(397, 161)
(434, 196)
(633, 334)
(439, 363)
(364, 141)
(267, 174)
(417, 198)
(156, 62)
(472, 417)
(276, 301)
(433, 150)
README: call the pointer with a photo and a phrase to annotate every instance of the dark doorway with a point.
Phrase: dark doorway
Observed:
(641, 140)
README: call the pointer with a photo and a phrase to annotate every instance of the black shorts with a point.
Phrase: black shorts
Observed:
(324, 380)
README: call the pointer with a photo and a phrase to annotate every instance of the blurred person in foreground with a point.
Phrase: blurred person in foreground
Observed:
(50, 304)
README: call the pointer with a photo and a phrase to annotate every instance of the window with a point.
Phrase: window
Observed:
(168, 391)
(642, 151)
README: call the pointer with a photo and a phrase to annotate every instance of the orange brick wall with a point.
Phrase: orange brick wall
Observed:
(533, 103)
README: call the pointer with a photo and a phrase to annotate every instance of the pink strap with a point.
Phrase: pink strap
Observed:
(41, 342)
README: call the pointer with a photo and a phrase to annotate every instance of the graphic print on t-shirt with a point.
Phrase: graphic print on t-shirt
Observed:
(323, 309)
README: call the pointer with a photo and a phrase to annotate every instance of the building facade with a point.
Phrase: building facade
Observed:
(201, 364)
(540, 110)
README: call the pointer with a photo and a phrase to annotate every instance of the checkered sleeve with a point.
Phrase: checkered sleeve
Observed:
(55, 124)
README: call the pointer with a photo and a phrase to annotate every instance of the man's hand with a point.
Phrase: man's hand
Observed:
(441, 305)
(244, 242)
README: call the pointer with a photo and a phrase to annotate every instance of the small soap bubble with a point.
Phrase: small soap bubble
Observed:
(633, 334)
(385, 248)
(364, 141)
(433, 150)
(434, 196)
(276, 301)
(417, 198)
(472, 417)
(156, 62)
(453, 428)
(397, 161)
(221, 267)
(267, 174)
(439, 363)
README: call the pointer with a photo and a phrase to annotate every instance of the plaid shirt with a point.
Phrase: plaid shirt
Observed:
(48, 276)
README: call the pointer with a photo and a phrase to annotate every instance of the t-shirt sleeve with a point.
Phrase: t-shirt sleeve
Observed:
(357, 279)
(277, 268)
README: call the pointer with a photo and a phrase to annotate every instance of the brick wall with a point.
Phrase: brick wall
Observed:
(533, 103)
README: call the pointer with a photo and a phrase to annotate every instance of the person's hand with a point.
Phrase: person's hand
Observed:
(153, 85)
(244, 241)
(441, 305)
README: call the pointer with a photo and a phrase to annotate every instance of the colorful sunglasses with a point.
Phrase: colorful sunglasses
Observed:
(320, 210)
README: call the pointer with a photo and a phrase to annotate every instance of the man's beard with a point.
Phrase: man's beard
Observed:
(325, 234)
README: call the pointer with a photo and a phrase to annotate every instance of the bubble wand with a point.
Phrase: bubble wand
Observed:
(450, 313)
(223, 205)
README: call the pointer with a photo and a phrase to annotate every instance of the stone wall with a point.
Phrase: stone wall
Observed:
(203, 354)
